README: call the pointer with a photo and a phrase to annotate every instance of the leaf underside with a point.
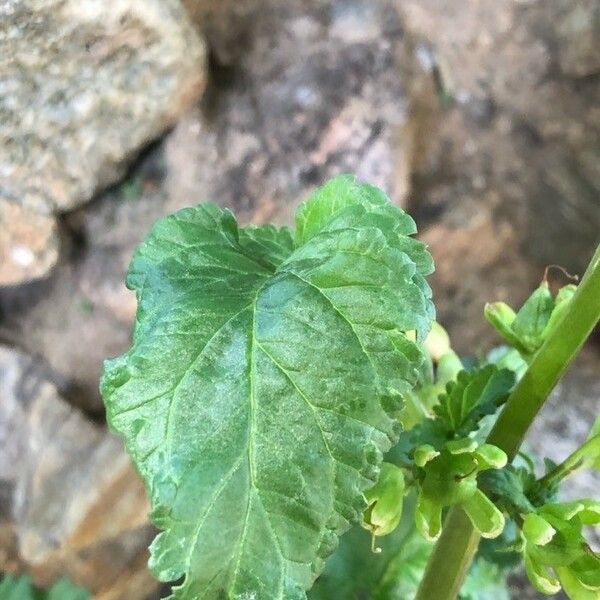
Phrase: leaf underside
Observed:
(262, 384)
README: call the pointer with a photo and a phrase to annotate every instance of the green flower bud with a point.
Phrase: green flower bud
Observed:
(501, 317)
(385, 500)
(541, 577)
(537, 530)
(449, 366)
(484, 515)
(533, 317)
(425, 453)
(437, 343)
(561, 304)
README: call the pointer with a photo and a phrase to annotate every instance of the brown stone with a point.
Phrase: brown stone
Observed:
(71, 502)
(273, 127)
(29, 244)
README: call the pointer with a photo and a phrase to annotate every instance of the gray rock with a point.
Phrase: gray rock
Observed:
(301, 90)
(83, 313)
(70, 496)
(83, 86)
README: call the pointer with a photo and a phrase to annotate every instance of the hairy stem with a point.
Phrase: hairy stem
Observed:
(454, 551)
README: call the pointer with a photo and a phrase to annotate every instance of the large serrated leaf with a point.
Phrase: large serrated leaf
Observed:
(258, 395)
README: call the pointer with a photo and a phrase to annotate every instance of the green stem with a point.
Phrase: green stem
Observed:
(454, 551)
(584, 455)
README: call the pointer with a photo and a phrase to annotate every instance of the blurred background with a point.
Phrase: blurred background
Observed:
(481, 118)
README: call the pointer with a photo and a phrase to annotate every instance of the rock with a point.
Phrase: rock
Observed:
(571, 31)
(518, 119)
(477, 261)
(83, 88)
(72, 503)
(29, 244)
(272, 127)
(84, 313)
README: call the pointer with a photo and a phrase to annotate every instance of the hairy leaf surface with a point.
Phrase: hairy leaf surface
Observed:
(258, 395)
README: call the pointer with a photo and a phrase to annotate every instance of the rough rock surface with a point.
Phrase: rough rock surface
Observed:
(518, 124)
(301, 90)
(70, 500)
(83, 313)
(29, 245)
(83, 88)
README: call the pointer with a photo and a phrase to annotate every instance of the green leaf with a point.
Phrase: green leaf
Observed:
(21, 588)
(508, 486)
(257, 398)
(485, 581)
(473, 395)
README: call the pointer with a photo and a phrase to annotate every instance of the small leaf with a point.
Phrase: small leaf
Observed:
(472, 396)
(490, 457)
(563, 510)
(21, 588)
(573, 587)
(428, 518)
(462, 446)
(587, 571)
(425, 453)
(590, 514)
(507, 485)
(541, 577)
